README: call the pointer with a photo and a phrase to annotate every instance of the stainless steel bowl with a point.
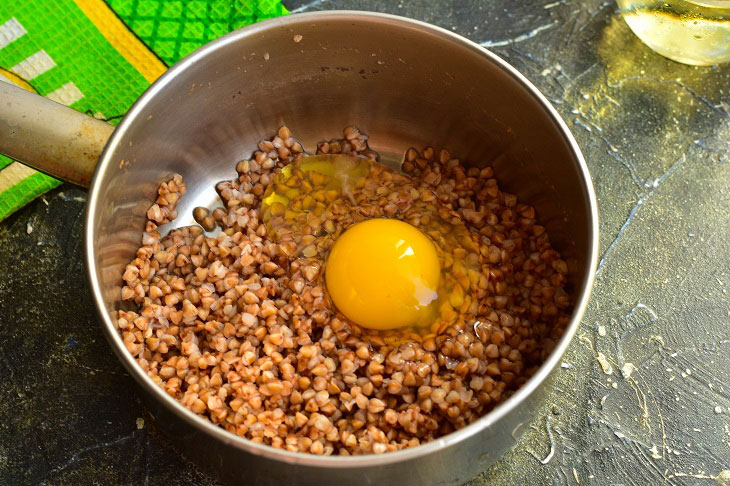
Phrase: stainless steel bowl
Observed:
(404, 83)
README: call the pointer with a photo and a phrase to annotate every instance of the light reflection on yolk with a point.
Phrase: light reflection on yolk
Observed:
(383, 274)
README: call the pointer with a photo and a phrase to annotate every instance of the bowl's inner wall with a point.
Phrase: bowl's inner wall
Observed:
(401, 85)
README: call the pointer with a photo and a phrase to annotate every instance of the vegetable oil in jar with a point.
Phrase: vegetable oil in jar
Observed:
(688, 31)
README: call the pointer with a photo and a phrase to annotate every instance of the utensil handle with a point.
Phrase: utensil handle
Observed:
(50, 137)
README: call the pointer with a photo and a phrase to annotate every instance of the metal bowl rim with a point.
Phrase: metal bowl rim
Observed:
(371, 460)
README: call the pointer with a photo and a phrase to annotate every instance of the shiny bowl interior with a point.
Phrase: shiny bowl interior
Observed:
(404, 83)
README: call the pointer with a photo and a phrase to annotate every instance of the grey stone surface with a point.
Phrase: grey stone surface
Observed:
(643, 396)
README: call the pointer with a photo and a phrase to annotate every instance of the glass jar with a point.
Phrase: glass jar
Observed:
(688, 31)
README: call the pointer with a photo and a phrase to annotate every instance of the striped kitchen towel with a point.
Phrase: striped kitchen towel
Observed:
(98, 57)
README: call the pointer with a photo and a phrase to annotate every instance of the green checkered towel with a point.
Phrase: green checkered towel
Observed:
(98, 56)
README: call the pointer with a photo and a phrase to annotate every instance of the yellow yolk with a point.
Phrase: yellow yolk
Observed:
(383, 274)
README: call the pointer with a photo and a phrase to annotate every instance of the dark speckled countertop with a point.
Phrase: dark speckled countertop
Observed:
(643, 395)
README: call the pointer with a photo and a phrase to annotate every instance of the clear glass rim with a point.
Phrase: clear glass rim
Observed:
(710, 3)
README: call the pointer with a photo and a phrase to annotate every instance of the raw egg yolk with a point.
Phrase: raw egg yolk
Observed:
(383, 274)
